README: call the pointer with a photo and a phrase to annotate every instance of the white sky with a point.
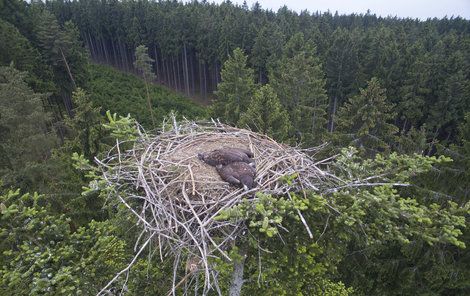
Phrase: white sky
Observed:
(402, 8)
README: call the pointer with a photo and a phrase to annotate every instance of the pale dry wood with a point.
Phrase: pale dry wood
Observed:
(176, 197)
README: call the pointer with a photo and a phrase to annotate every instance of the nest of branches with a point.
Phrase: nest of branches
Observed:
(177, 197)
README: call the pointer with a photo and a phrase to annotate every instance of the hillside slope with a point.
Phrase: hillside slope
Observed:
(124, 94)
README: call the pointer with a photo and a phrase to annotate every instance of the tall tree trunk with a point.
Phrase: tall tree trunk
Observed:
(114, 52)
(157, 70)
(192, 74)
(150, 104)
(335, 101)
(68, 68)
(179, 71)
(90, 45)
(99, 50)
(186, 72)
(333, 112)
(205, 78)
(106, 55)
(238, 270)
(200, 77)
(165, 72)
(174, 74)
(216, 73)
(121, 54)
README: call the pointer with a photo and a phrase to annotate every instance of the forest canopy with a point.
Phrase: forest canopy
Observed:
(387, 100)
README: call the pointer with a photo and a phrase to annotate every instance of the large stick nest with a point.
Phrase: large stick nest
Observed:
(176, 196)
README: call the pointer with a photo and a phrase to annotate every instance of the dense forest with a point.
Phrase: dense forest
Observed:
(389, 96)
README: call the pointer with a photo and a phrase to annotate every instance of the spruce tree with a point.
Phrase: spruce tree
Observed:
(267, 48)
(84, 127)
(412, 93)
(235, 90)
(143, 63)
(25, 135)
(341, 69)
(60, 48)
(299, 82)
(265, 114)
(364, 121)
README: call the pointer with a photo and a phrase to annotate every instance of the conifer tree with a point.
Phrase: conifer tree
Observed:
(25, 137)
(62, 50)
(85, 126)
(364, 121)
(412, 93)
(299, 82)
(143, 63)
(42, 255)
(267, 48)
(235, 90)
(341, 70)
(265, 114)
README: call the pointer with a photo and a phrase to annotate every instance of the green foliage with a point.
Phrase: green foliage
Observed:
(371, 236)
(85, 127)
(383, 216)
(143, 63)
(363, 121)
(341, 67)
(125, 94)
(392, 168)
(267, 48)
(25, 136)
(266, 212)
(265, 115)
(17, 49)
(40, 254)
(61, 48)
(364, 216)
(122, 128)
(299, 83)
(236, 89)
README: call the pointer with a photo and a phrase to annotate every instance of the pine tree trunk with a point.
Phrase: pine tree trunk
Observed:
(335, 101)
(216, 74)
(103, 44)
(333, 112)
(179, 71)
(186, 72)
(157, 70)
(205, 79)
(150, 104)
(167, 77)
(193, 76)
(90, 45)
(165, 72)
(121, 55)
(200, 78)
(174, 74)
(113, 49)
(99, 50)
(68, 68)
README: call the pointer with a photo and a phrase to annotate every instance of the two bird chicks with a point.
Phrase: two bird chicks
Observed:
(234, 165)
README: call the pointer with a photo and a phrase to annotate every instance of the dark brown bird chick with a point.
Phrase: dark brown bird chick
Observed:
(240, 151)
(240, 174)
(226, 155)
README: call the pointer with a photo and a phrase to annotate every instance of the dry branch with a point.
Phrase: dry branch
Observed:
(176, 197)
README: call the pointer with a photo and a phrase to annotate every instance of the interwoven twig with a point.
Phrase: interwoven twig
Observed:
(176, 196)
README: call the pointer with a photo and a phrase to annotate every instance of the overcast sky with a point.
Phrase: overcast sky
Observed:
(402, 8)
